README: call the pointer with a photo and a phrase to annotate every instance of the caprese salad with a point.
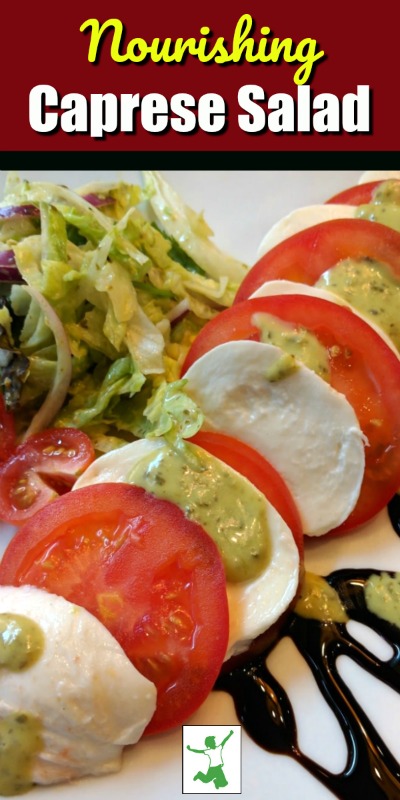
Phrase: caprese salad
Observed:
(172, 425)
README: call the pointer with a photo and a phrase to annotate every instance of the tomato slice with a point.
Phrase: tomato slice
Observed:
(356, 195)
(38, 470)
(154, 579)
(304, 256)
(362, 367)
(7, 431)
(253, 466)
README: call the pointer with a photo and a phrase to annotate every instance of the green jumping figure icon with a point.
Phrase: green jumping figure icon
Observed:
(214, 752)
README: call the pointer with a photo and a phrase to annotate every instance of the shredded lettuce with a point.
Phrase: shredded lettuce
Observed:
(93, 398)
(189, 230)
(132, 275)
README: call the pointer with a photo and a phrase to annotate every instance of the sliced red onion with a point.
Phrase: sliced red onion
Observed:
(19, 211)
(9, 272)
(58, 392)
(96, 200)
(10, 275)
(7, 258)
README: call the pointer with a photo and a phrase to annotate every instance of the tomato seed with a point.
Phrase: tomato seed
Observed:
(51, 450)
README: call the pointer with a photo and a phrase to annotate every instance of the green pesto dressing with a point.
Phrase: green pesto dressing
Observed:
(382, 596)
(297, 343)
(371, 288)
(229, 508)
(319, 600)
(385, 205)
(20, 741)
(282, 368)
(21, 642)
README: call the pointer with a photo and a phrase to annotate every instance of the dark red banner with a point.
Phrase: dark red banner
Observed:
(171, 77)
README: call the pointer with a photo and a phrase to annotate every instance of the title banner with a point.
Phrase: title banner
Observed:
(254, 77)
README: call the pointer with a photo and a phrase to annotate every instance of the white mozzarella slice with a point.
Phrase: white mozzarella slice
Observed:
(254, 605)
(89, 698)
(307, 216)
(380, 175)
(116, 466)
(274, 288)
(300, 219)
(306, 429)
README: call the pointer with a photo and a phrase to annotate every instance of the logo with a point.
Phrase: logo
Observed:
(211, 759)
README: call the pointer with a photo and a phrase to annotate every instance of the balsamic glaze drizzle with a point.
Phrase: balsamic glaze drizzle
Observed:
(394, 513)
(265, 711)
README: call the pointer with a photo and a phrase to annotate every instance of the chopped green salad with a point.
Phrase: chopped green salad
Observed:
(102, 291)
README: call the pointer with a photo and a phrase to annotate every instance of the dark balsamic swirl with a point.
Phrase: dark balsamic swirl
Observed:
(394, 513)
(265, 711)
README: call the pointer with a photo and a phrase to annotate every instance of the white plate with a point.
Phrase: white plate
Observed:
(240, 206)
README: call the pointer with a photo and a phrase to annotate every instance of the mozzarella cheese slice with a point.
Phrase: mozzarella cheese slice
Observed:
(89, 698)
(300, 219)
(277, 287)
(306, 429)
(254, 605)
(307, 216)
(380, 175)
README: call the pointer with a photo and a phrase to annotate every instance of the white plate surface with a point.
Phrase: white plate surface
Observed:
(240, 206)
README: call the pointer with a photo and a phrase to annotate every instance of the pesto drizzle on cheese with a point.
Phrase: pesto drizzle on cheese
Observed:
(384, 206)
(21, 740)
(21, 644)
(226, 505)
(21, 641)
(371, 288)
(296, 341)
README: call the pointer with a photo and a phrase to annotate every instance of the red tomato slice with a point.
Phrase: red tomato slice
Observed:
(362, 367)
(259, 472)
(44, 466)
(154, 579)
(7, 431)
(356, 195)
(304, 256)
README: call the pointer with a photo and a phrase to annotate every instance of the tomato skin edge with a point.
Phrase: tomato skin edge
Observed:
(356, 195)
(303, 257)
